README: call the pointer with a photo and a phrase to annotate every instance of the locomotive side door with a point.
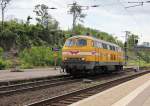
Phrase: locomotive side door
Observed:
(96, 53)
(99, 52)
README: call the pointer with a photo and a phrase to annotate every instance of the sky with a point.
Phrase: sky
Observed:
(111, 16)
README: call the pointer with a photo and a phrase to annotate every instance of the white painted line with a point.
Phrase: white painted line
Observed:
(126, 101)
(91, 98)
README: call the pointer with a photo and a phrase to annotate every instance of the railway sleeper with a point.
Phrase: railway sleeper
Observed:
(92, 92)
(65, 102)
(57, 104)
(76, 97)
(89, 94)
(82, 96)
(72, 99)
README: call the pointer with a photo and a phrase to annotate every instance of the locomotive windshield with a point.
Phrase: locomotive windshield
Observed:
(70, 42)
(76, 42)
(81, 42)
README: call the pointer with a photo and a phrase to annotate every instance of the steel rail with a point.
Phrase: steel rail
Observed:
(74, 96)
(34, 86)
(30, 83)
(18, 81)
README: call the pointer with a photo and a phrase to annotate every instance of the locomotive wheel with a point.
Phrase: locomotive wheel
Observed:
(119, 68)
(106, 71)
(68, 70)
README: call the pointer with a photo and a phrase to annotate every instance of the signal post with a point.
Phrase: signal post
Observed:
(55, 54)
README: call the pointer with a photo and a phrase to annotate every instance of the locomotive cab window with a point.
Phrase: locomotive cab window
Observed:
(95, 44)
(104, 46)
(70, 42)
(81, 42)
(113, 47)
(110, 47)
(99, 45)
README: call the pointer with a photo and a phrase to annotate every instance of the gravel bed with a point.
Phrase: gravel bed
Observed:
(33, 96)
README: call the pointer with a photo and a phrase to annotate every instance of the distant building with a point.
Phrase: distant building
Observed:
(146, 44)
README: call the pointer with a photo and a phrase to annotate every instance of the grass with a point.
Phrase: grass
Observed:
(140, 63)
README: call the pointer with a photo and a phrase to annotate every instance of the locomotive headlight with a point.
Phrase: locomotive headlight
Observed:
(65, 58)
(83, 59)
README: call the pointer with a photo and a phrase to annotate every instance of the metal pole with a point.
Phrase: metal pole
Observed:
(74, 22)
(55, 63)
(126, 47)
(2, 18)
(139, 61)
(74, 16)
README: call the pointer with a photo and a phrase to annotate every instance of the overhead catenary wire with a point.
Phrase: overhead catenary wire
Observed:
(137, 3)
(131, 15)
(128, 12)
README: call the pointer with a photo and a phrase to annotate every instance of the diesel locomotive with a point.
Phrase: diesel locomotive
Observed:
(83, 54)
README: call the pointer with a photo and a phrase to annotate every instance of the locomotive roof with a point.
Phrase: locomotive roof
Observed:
(95, 39)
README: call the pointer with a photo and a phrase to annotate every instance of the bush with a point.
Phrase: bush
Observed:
(1, 52)
(5, 64)
(38, 56)
(8, 63)
(26, 66)
(2, 64)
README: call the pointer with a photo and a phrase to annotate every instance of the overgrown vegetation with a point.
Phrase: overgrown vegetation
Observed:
(4, 63)
(34, 42)
(38, 56)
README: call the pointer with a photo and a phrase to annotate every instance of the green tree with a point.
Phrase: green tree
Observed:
(3, 4)
(132, 41)
(42, 14)
(76, 11)
(7, 39)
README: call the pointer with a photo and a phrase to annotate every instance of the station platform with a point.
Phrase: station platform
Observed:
(7, 75)
(132, 93)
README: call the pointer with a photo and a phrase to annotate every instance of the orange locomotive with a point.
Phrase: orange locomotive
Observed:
(85, 54)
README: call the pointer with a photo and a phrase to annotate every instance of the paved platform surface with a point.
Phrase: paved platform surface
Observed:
(132, 93)
(147, 102)
(6, 75)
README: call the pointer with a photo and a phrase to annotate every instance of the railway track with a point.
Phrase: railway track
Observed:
(74, 96)
(34, 85)
(12, 82)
